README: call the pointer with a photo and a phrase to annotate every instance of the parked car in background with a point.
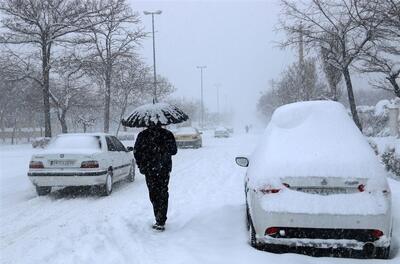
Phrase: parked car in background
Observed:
(81, 160)
(314, 184)
(40, 142)
(221, 132)
(125, 136)
(188, 137)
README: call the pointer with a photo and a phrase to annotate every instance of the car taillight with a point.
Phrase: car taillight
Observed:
(376, 233)
(36, 165)
(268, 189)
(361, 187)
(270, 231)
(90, 164)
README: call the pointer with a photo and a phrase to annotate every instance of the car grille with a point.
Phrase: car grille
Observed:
(364, 235)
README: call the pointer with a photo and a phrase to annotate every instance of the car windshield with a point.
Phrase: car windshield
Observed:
(185, 131)
(75, 142)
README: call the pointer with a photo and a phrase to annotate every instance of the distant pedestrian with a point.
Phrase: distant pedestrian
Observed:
(247, 128)
(153, 150)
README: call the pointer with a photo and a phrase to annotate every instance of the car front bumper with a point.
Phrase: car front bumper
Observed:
(63, 179)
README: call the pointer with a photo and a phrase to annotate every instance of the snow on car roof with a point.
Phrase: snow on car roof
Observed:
(316, 138)
(185, 131)
(220, 129)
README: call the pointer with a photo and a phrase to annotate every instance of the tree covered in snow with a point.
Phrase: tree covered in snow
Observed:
(41, 25)
(343, 28)
(108, 42)
(384, 55)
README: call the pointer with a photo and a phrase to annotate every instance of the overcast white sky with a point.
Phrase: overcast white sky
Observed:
(235, 39)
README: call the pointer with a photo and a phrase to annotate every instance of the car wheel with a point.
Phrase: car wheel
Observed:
(252, 234)
(247, 217)
(41, 191)
(108, 186)
(131, 176)
(382, 253)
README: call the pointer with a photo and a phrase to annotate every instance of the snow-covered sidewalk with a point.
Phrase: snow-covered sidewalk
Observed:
(206, 215)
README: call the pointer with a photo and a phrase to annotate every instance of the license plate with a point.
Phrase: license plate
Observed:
(61, 163)
(323, 191)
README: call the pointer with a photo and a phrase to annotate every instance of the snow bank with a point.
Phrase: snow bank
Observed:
(315, 138)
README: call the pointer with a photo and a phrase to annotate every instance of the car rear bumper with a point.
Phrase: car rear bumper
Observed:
(354, 244)
(319, 230)
(62, 179)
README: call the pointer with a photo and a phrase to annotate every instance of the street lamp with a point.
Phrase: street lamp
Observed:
(202, 102)
(158, 12)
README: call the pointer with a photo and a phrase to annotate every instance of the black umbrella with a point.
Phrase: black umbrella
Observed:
(154, 114)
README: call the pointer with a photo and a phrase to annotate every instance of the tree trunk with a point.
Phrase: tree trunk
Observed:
(396, 87)
(350, 94)
(107, 100)
(46, 85)
(63, 122)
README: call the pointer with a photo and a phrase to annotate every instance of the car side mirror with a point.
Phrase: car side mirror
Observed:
(242, 161)
(129, 149)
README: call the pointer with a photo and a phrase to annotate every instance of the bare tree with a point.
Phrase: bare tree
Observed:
(130, 79)
(384, 57)
(70, 89)
(41, 24)
(299, 82)
(343, 28)
(110, 41)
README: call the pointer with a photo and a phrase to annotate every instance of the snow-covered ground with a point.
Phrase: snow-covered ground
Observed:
(206, 215)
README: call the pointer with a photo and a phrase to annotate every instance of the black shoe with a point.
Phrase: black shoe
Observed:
(158, 227)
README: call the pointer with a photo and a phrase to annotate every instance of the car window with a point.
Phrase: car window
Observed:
(118, 145)
(110, 144)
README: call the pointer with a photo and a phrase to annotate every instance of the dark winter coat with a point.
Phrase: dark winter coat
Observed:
(153, 150)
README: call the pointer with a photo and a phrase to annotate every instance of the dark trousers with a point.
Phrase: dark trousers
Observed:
(157, 183)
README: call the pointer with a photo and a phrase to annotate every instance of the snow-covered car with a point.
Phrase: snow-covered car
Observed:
(188, 137)
(314, 184)
(81, 160)
(221, 132)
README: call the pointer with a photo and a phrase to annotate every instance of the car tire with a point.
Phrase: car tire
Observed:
(252, 234)
(108, 186)
(247, 217)
(41, 191)
(382, 253)
(131, 176)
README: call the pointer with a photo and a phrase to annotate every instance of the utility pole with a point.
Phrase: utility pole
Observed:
(158, 12)
(217, 85)
(202, 99)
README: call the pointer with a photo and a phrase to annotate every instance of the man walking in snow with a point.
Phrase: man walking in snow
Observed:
(153, 150)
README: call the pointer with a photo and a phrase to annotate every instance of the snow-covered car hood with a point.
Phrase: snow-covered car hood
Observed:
(315, 138)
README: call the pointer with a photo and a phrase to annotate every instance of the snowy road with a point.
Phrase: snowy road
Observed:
(206, 218)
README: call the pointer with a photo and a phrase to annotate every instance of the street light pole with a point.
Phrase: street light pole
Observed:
(217, 85)
(202, 101)
(158, 12)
